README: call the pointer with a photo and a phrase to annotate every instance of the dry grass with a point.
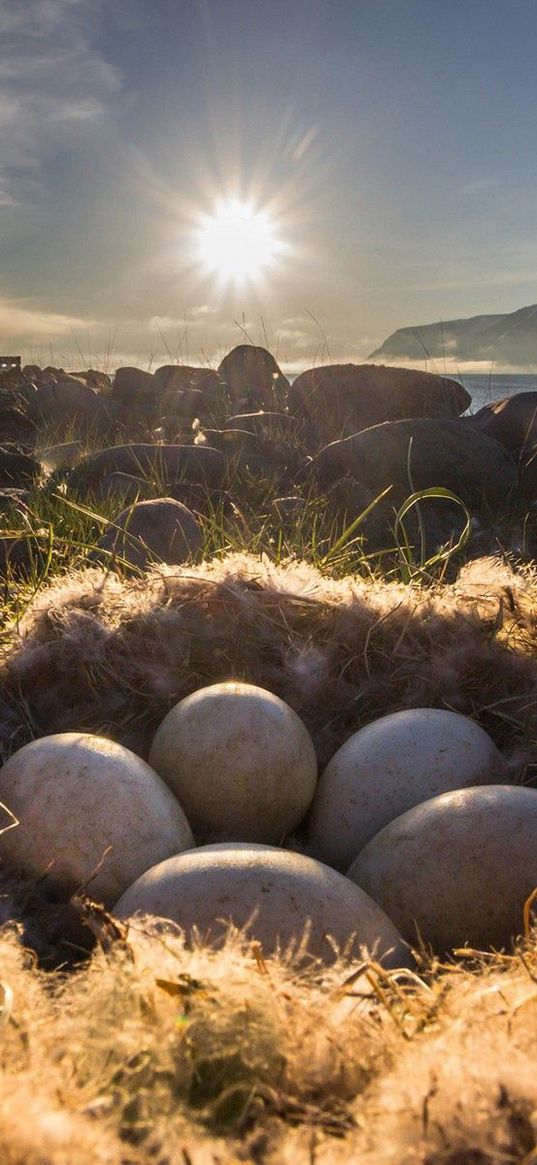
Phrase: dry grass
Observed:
(153, 1053)
(96, 653)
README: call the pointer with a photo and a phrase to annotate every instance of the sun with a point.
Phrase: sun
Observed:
(238, 243)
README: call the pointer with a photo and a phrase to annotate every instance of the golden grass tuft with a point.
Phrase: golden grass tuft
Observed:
(153, 1052)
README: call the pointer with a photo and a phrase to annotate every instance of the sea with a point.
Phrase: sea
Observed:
(484, 388)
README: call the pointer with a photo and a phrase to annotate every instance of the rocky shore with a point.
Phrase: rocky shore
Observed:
(362, 438)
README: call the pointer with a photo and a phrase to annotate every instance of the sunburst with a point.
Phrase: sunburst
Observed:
(238, 243)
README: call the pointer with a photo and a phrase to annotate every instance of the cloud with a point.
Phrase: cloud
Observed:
(479, 186)
(52, 78)
(26, 324)
(202, 311)
(294, 337)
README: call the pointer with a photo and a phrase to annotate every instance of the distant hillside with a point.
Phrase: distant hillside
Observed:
(504, 339)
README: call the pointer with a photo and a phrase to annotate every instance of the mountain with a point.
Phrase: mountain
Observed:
(503, 339)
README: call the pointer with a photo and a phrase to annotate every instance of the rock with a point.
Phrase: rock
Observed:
(11, 499)
(233, 442)
(18, 469)
(340, 399)
(87, 808)
(16, 383)
(272, 426)
(68, 402)
(64, 456)
(456, 869)
(23, 556)
(126, 486)
(442, 521)
(438, 452)
(289, 508)
(513, 422)
(201, 501)
(265, 777)
(174, 378)
(246, 450)
(31, 372)
(136, 390)
(184, 405)
(161, 530)
(99, 381)
(16, 427)
(253, 377)
(273, 893)
(167, 463)
(51, 374)
(389, 766)
(172, 391)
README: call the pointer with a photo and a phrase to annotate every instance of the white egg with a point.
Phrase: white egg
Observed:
(458, 868)
(389, 766)
(274, 893)
(240, 761)
(86, 805)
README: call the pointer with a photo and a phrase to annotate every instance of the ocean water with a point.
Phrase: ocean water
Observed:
(485, 388)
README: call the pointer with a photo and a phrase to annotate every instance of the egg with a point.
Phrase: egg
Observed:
(275, 894)
(240, 761)
(456, 869)
(88, 809)
(389, 766)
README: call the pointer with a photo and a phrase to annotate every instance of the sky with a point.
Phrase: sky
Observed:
(390, 146)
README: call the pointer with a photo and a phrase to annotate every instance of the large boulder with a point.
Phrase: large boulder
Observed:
(173, 390)
(168, 463)
(135, 390)
(340, 399)
(68, 403)
(437, 523)
(161, 530)
(419, 454)
(186, 392)
(513, 422)
(172, 378)
(253, 377)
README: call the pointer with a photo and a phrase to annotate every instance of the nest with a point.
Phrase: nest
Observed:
(99, 654)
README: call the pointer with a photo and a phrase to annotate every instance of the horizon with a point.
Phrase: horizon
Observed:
(311, 177)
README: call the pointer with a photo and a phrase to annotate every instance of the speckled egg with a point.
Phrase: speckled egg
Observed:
(87, 806)
(239, 760)
(276, 894)
(456, 869)
(389, 766)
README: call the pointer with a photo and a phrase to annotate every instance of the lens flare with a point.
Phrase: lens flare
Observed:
(237, 243)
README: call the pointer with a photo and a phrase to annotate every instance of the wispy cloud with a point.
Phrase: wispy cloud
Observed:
(481, 186)
(52, 78)
(22, 323)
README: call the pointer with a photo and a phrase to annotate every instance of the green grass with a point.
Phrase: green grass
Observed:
(60, 529)
(66, 529)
